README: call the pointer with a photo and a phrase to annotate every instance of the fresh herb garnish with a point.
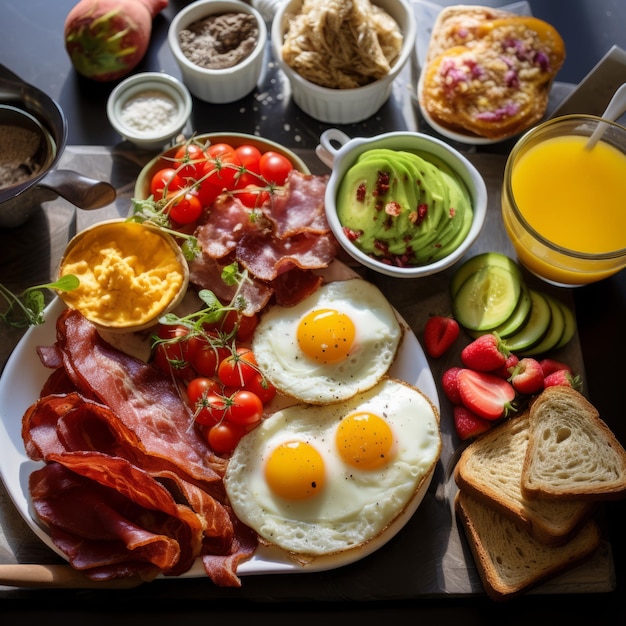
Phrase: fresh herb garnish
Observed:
(26, 309)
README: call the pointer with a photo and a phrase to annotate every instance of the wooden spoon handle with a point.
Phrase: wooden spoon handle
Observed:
(59, 576)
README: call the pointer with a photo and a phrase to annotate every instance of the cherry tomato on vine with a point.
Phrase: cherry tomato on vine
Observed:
(213, 409)
(219, 149)
(224, 437)
(205, 356)
(189, 161)
(169, 355)
(275, 167)
(253, 196)
(221, 171)
(207, 192)
(164, 181)
(250, 157)
(244, 178)
(262, 387)
(245, 408)
(199, 388)
(185, 209)
(237, 368)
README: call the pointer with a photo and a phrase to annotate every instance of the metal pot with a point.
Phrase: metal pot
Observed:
(29, 110)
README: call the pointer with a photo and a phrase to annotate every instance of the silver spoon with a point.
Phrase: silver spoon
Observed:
(615, 108)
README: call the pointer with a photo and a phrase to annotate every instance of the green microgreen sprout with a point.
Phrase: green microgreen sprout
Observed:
(26, 309)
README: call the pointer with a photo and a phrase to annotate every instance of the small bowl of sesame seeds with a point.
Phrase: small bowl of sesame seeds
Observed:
(149, 109)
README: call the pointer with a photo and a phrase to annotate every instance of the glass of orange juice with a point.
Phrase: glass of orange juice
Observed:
(564, 204)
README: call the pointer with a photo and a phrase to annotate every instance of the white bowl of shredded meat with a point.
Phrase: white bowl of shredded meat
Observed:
(342, 58)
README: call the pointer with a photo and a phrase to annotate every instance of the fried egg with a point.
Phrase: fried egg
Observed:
(339, 341)
(318, 480)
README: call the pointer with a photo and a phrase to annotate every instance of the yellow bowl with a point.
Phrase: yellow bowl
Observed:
(130, 275)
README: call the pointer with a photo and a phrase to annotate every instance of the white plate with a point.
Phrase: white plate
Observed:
(24, 376)
(426, 14)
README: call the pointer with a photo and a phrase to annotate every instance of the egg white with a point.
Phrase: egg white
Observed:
(355, 506)
(291, 371)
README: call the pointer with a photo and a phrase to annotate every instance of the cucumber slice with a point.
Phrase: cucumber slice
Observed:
(519, 316)
(535, 328)
(487, 298)
(554, 332)
(478, 262)
(570, 325)
(517, 319)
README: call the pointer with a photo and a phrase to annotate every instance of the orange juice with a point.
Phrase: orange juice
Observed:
(573, 197)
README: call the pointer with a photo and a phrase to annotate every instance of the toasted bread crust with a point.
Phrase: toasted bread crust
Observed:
(489, 72)
(490, 469)
(509, 560)
(571, 453)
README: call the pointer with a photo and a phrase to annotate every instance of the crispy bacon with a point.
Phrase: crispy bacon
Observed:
(109, 511)
(128, 455)
(144, 400)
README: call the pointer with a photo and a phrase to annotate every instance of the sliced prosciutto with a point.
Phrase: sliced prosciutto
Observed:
(288, 232)
(300, 208)
(281, 255)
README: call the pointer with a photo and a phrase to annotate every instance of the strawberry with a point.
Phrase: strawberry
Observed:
(439, 334)
(551, 365)
(485, 354)
(467, 424)
(450, 384)
(527, 376)
(487, 395)
(562, 377)
(504, 371)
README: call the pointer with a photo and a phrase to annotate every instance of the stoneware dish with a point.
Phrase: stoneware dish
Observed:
(149, 109)
(339, 152)
(344, 106)
(218, 85)
(142, 185)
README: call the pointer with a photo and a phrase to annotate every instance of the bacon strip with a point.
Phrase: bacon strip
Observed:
(144, 476)
(108, 509)
(143, 399)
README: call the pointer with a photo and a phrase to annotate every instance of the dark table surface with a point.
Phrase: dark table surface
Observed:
(31, 45)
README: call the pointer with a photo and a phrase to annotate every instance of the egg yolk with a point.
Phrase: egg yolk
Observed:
(326, 335)
(364, 440)
(295, 471)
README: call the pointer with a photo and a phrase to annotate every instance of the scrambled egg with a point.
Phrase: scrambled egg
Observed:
(128, 273)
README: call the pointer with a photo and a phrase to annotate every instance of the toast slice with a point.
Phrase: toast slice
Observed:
(490, 468)
(508, 559)
(571, 452)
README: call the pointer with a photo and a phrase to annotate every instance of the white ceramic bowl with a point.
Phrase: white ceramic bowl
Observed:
(341, 158)
(344, 106)
(154, 85)
(218, 85)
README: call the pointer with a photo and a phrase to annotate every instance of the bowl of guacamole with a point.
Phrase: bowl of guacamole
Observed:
(402, 203)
